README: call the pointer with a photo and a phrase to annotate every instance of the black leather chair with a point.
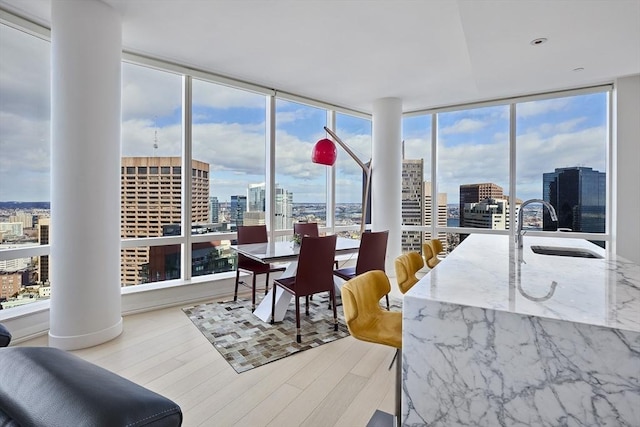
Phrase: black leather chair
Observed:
(43, 386)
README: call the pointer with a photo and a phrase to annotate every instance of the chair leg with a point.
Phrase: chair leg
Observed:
(298, 333)
(306, 311)
(266, 284)
(253, 293)
(387, 297)
(335, 312)
(273, 305)
(235, 292)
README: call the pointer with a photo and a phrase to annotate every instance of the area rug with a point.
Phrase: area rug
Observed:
(247, 342)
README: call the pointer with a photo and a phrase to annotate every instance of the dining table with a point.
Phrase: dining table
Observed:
(285, 251)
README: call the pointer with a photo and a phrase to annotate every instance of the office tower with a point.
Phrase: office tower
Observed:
(214, 205)
(11, 229)
(256, 200)
(412, 200)
(441, 214)
(488, 213)
(43, 238)
(474, 193)
(151, 195)
(283, 208)
(238, 208)
(579, 196)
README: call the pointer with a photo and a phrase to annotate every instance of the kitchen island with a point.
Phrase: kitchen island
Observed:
(499, 336)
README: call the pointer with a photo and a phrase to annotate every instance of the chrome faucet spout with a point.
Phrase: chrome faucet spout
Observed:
(519, 232)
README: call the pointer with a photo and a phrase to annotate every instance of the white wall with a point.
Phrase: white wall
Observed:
(626, 163)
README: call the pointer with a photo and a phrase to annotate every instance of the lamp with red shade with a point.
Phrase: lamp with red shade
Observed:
(325, 153)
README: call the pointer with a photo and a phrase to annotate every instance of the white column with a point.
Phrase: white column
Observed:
(386, 174)
(626, 158)
(86, 45)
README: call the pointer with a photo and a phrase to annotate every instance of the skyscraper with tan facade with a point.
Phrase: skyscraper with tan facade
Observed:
(151, 196)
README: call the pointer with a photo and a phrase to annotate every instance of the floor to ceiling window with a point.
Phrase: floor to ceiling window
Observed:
(301, 186)
(151, 171)
(25, 175)
(561, 151)
(355, 132)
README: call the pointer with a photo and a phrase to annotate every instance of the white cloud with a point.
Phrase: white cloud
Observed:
(463, 126)
(534, 108)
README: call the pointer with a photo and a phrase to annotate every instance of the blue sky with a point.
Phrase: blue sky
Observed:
(229, 134)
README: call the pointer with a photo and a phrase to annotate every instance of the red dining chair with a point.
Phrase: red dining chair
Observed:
(371, 256)
(253, 234)
(313, 275)
(308, 229)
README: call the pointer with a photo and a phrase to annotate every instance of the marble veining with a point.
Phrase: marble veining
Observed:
(478, 351)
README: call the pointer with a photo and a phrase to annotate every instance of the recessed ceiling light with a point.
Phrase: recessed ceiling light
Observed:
(538, 41)
(578, 69)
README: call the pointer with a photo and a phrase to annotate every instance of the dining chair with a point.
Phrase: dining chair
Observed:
(367, 321)
(371, 256)
(314, 274)
(431, 248)
(308, 229)
(406, 266)
(253, 234)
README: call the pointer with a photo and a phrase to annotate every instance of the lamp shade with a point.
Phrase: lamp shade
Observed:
(324, 152)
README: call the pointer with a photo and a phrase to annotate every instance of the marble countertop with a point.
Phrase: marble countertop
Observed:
(487, 271)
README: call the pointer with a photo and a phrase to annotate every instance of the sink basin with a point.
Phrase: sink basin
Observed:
(560, 251)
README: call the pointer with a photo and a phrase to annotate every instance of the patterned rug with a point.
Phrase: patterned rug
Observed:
(247, 342)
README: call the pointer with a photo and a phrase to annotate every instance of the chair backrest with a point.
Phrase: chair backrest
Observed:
(372, 252)
(431, 249)
(252, 234)
(315, 265)
(362, 312)
(406, 266)
(306, 229)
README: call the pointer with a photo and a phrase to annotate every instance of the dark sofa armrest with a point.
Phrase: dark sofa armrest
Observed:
(42, 386)
(5, 336)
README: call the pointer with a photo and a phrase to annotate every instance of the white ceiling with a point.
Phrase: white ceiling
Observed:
(429, 53)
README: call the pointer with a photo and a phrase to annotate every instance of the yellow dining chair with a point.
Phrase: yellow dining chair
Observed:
(431, 249)
(407, 265)
(368, 321)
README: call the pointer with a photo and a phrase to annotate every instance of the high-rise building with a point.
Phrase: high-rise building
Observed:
(474, 193)
(578, 195)
(488, 213)
(43, 238)
(412, 202)
(237, 210)
(24, 217)
(257, 202)
(214, 205)
(441, 214)
(150, 199)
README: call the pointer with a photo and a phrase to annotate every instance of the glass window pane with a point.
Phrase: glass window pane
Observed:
(356, 133)
(473, 165)
(25, 158)
(416, 180)
(229, 136)
(151, 140)
(301, 192)
(561, 147)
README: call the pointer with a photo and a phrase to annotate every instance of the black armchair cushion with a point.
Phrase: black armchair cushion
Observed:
(5, 336)
(42, 386)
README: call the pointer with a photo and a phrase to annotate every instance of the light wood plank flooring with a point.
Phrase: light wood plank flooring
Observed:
(337, 384)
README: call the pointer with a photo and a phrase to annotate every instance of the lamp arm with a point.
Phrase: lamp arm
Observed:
(347, 149)
(367, 172)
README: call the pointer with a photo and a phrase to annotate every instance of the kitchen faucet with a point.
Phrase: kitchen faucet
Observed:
(519, 232)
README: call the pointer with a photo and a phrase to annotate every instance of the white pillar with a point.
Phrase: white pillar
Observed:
(386, 175)
(86, 45)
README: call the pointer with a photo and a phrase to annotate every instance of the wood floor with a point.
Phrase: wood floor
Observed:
(337, 384)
